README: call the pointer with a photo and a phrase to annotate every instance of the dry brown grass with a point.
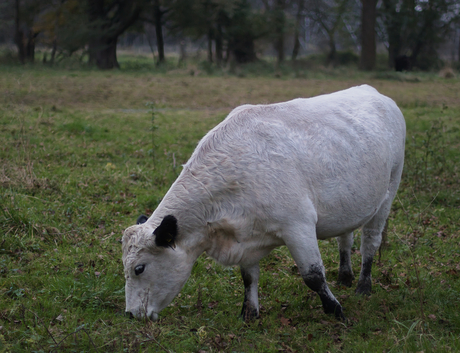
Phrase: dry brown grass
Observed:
(14, 175)
(101, 90)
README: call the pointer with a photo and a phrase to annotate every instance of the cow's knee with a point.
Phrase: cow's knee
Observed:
(250, 308)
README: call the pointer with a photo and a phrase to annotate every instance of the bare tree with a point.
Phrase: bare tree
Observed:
(230, 23)
(298, 19)
(368, 45)
(276, 15)
(158, 14)
(25, 34)
(328, 15)
(154, 13)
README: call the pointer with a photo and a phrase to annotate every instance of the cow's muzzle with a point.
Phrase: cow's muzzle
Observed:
(153, 316)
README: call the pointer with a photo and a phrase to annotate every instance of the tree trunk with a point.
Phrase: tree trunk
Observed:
(458, 46)
(242, 49)
(219, 45)
(210, 45)
(19, 35)
(95, 15)
(298, 19)
(182, 53)
(391, 54)
(53, 52)
(241, 36)
(25, 43)
(157, 15)
(280, 48)
(103, 53)
(368, 49)
(393, 26)
(279, 30)
(30, 46)
(332, 56)
(105, 31)
(394, 39)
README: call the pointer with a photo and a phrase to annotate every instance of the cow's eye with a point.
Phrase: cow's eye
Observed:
(139, 269)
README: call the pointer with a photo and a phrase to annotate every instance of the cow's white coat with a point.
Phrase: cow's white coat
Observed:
(287, 173)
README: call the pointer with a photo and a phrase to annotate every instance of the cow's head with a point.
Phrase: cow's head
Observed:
(155, 265)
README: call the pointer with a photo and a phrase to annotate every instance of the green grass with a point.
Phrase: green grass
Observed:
(82, 155)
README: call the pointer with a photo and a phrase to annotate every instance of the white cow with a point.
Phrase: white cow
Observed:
(270, 175)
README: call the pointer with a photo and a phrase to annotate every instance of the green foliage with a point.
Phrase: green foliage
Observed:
(432, 159)
(416, 29)
(84, 153)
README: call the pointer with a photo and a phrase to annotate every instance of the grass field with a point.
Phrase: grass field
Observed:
(83, 153)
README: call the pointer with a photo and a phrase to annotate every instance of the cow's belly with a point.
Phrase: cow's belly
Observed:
(243, 251)
(344, 217)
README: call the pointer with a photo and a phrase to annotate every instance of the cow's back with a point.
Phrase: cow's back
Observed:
(338, 151)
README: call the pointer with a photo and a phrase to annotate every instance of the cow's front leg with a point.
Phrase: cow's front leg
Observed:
(303, 246)
(250, 277)
(346, 275)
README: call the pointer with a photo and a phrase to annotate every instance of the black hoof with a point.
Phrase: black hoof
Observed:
(338, 313)
(249, 313)
(334, 308)
(364, 288)
(345, 279)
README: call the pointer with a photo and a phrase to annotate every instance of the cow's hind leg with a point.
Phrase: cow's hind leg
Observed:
(346, 275)
(302, 243)
(371, 238)
(250, 277)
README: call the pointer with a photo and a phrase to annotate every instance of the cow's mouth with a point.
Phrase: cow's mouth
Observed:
(153, 316)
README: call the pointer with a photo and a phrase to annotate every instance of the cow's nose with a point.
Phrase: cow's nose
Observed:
(129, 314)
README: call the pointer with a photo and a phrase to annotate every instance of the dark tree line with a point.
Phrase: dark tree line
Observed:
(415, 29)
(412, 30)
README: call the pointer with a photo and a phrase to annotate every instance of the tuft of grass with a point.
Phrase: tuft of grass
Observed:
(84, 153)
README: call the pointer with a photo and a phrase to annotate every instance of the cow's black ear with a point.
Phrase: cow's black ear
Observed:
(166, 232)
(142, 219)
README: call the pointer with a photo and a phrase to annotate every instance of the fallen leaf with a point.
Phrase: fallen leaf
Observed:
(285, 321)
